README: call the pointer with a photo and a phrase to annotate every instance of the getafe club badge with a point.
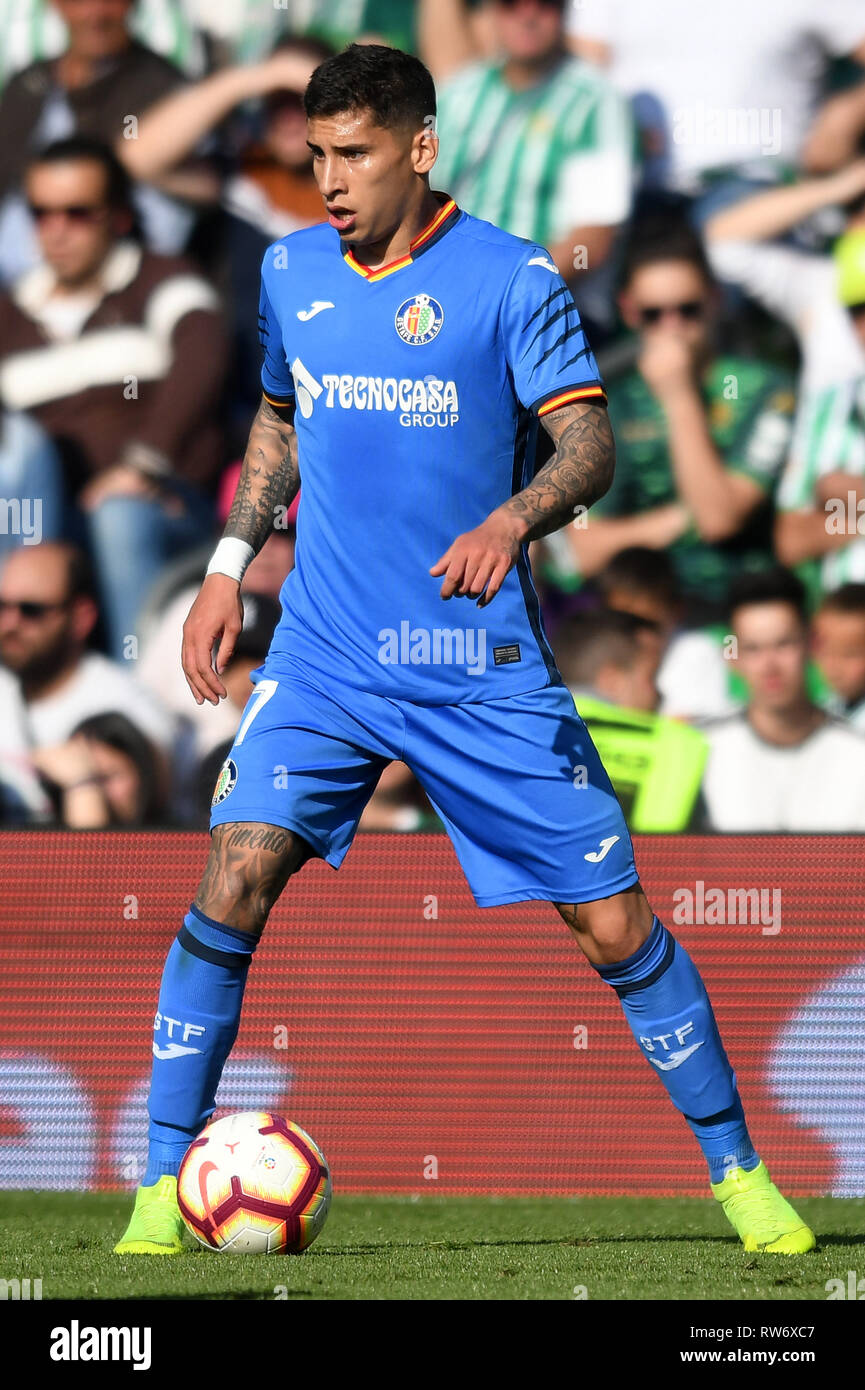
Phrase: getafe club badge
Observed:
(419, 320)
(225, 782)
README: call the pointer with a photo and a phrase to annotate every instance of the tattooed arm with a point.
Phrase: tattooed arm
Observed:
(578, 474)
(269, 478)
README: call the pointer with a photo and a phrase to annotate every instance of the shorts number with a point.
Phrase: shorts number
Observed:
(258, 699)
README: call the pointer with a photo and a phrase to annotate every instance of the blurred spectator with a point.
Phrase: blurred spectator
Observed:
(700, 437)
(693, 676)
(268, 191)
(726, 98)
(31, 484)
(838, 637)
(120, 355)
(609, 662)
(538, 143)
(98, 86)
(22, 796)
(47, 614)
(105, 774)
(34, 29)
(797, 286)
(822, 494)
(783, 764)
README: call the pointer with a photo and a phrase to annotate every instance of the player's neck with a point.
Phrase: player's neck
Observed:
(398, 242)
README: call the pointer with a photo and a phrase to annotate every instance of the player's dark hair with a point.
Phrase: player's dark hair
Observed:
(118, 184)
(393, 86)
(776, 585)
(663, 236)
(589, 641)
(639, 569)
(850, 598)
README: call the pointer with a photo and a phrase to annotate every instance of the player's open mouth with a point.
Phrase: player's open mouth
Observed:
(342, 220)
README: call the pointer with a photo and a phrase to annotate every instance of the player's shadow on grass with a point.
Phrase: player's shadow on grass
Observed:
(564, 1242)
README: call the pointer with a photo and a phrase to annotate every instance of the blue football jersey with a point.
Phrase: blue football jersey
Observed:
(418, 388)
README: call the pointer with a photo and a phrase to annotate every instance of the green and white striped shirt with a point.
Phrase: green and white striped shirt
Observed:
(32, 30)
(829, 435)
(537, 162)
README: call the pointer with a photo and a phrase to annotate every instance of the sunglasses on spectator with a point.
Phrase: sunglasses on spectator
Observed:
(690, 309)
(73, 212)
(31, 609)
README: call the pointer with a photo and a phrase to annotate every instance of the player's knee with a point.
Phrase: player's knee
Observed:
(247, 869)
(610, 929)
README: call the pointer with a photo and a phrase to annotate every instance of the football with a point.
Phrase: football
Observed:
(254, 1183)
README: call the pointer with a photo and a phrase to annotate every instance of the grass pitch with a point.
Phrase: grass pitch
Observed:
(439, 1248)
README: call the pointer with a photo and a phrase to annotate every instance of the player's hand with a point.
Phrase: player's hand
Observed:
(476, 564)
(215, 616)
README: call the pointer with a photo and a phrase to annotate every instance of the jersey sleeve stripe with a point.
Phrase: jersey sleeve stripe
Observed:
(576, 393)
(277, 401)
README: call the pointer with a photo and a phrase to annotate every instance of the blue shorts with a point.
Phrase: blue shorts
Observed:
(517, 782)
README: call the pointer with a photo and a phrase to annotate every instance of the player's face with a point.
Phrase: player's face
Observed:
(529, 30)
(839, 650)
(772, 651)
(75, 226)
(367, 174)
(669, 297)
(97, 28)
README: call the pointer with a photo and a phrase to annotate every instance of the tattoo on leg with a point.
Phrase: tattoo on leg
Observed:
(246, 870)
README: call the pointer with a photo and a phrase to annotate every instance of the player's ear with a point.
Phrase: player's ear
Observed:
(425, 146)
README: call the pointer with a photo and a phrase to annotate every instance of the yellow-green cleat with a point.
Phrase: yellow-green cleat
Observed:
(763, 1219)
(156, 1226)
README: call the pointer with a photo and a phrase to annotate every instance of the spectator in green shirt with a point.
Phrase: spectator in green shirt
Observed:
(700, 437)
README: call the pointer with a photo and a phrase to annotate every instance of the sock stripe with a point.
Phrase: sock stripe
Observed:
(243, 938)
(652, 978)
(231, 960)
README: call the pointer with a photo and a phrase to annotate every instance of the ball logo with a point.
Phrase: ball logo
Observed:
(419, 320)
(225, 782)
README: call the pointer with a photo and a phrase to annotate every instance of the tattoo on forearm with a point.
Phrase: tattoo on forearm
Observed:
(579, 472)
(269, 478)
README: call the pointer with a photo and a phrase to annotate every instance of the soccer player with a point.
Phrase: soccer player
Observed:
(410, 352)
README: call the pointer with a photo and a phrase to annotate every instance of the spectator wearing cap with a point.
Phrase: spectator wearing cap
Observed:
(48, 613)
(782, 764)
(120, 355)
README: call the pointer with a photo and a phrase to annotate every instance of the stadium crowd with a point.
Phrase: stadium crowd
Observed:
(709, 215)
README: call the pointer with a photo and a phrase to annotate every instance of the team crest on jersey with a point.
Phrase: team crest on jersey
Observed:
(225, 782)
(419, 320)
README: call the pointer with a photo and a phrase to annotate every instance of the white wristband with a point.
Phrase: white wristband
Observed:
(232, 557)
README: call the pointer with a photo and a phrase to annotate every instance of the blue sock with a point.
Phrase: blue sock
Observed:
(668, 1009)
(196, 1023)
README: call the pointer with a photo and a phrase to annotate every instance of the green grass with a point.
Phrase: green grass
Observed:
(440, 1248)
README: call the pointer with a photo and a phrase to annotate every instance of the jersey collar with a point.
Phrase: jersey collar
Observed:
(432, 232)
